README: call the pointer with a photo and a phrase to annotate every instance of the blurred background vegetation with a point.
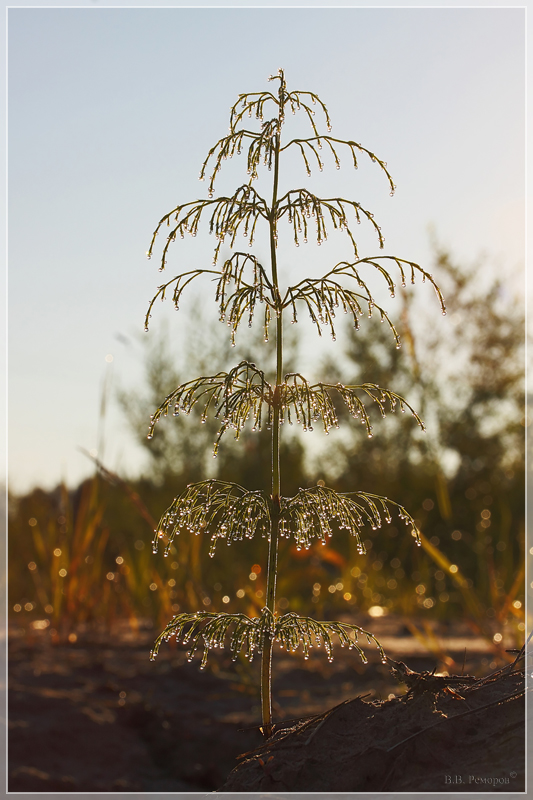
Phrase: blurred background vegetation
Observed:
(83, 557)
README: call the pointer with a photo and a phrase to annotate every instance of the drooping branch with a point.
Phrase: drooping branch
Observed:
(181, 281)
(405, 267)
(242, 299)
(240, 212)
(309, 514)
(234, 396)
(224, 510)
(312, 403)
(296, 103)
(261, 148)
(250, 104)
(233, 270)
(209, 629)
(234, 294)
(237, 213)
(354, 147)
(323, 296)
(294, 631)
(300, 205)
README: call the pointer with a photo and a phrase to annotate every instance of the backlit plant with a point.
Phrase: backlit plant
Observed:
(246, 394)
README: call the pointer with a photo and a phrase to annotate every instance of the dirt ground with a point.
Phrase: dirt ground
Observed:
(97, 716)
(470, 740)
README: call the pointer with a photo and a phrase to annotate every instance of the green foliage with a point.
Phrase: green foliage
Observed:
(245, 393)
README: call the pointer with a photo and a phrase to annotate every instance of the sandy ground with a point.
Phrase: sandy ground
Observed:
(468, 740)
(97, 716)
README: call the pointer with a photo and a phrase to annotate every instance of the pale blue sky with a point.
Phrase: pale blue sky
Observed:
(111, 113)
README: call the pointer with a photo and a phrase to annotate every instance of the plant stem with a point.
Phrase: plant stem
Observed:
(266, 662)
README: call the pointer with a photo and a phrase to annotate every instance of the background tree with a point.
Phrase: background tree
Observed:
(464, 479)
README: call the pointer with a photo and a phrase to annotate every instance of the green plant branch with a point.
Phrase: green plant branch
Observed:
(209, 630)
(301, 205)
(181, 285)
(322, 297)
(250, 107)
(349, 269)
(353, 146)
(309, 513)
(313, 402)
(226, 510)
(260, 148)
(229, 216)
(235, 396)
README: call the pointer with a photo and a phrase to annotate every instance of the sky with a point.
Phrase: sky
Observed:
(111, 112)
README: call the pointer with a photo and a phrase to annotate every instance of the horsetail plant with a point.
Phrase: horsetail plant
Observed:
(246, 393)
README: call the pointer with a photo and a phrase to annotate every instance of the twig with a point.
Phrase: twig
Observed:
(522, 652)
(455, 716)
(508, 667)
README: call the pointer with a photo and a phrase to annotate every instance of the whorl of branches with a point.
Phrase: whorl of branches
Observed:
(243, 392)
(238, 292)
(209, 630)
(228, 511)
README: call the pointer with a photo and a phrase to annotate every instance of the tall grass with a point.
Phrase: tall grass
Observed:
(467, 569)
(81, 560)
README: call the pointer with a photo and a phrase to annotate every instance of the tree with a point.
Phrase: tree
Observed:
(464, 480)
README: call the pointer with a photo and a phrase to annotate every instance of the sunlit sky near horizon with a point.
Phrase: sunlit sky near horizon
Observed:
(111, 114)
